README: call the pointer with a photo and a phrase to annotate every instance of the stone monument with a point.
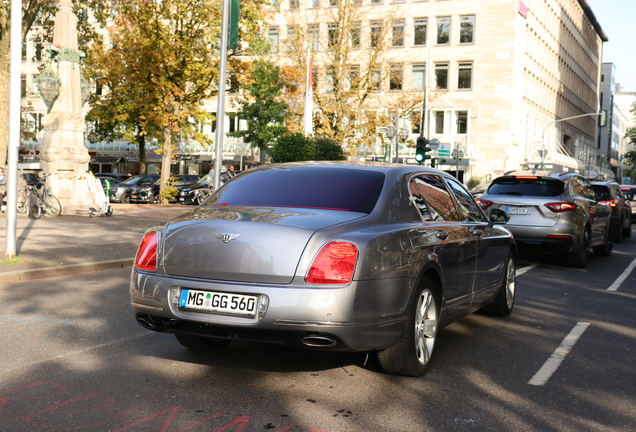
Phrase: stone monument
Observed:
(64, 155)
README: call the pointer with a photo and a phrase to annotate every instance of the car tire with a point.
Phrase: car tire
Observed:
(606, 248)
(125, 198)
(579, 257)
(505, 300)
(412, 353)
(618, 232)
(627, 232)
(201, 343)
(153, 199)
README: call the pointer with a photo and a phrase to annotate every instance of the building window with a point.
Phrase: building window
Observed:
(291, 38)
(354, 34)
(376, 33)
(377, 1)
(99, 88)
(461, 120)
(329, 81)
(24, 50)
(314, 3)
(465, 76)
(375, 80)
(438, 117)
(332, 35)
(39, 46)
(419, 31)
(396, 77)
(398, 34)
(418, 77)
(23, 86)
(273, 37)
(467, 29)
(313, 34)
(441, 76)
(353, 78)
(333, 3)
(294, 4)
(443, 30)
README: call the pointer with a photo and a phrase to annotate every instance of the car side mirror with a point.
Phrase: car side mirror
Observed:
(499, 216)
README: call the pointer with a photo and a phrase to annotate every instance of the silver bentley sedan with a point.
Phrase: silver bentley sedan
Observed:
(327, 256)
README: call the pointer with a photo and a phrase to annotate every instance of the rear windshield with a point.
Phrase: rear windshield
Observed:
(353, 190)
(541, 187)
(602, 192)
(628, 193)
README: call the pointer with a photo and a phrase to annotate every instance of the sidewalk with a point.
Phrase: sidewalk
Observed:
(55, 246)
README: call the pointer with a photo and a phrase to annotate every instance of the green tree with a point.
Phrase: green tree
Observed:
(328, 149)
(161, 65)
(292, 148)
(262, 105)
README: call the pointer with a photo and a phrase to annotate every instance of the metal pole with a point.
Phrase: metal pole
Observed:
(14, 126)
(543, 149)
(220, 110)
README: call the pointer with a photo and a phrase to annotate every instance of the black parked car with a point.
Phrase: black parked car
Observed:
(150, 193)
(609, 192)
(197, 193)
(121, 192)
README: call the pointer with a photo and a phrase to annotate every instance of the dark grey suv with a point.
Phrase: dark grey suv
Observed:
(121, 193)
(553, 212)
(609, 192)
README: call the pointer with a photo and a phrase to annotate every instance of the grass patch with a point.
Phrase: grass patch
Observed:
(11, 260)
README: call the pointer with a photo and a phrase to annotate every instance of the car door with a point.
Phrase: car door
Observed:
(600, 214)
(492, 244)
(446, 236)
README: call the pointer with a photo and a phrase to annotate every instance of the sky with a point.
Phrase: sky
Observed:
(618, 20)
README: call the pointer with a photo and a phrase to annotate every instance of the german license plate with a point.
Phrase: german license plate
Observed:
(518, 210)
(235, 304)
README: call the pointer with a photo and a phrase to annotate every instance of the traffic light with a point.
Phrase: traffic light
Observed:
(421, 149)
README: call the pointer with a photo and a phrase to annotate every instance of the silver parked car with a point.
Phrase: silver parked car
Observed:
(329, 256)
(558, 212)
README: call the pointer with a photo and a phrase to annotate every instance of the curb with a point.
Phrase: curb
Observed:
(30, 274)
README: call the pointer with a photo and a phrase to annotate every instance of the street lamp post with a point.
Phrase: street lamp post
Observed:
(403, 134)
(390, 132)
(457, 154)
(543, 149)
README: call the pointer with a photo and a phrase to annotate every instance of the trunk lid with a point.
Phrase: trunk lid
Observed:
(243, 244)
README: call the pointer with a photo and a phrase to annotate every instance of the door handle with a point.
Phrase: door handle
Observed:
(442, 235)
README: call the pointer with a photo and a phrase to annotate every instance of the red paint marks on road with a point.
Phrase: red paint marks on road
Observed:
(29, 387)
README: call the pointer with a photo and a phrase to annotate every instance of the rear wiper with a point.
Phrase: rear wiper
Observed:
(511, 193)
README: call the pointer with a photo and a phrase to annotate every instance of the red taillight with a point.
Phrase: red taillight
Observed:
(612, 203)
(559, 236)
(560, 207)
(334, 264)
(146, 258)
(484, 204)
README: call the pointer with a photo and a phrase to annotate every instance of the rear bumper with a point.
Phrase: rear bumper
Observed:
(293, 313)
(537, 238)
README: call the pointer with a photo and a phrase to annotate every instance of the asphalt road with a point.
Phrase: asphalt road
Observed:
(73, 358)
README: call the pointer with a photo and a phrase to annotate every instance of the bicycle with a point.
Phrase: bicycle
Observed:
(36, 199)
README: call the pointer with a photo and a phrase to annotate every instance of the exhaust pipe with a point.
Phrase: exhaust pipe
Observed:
(319, 341)
(149, 322)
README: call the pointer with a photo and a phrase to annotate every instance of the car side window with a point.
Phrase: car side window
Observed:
(432, 199)
(467, 202)
(587, 190)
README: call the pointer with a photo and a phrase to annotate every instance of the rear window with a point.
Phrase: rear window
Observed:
(603, 192)
(628, 193)
(353, 190)
(540, 187)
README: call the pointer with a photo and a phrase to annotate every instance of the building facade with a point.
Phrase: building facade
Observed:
(500, 77)
(500, 74)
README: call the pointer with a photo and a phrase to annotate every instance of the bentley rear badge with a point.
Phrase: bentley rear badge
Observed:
(226, 237)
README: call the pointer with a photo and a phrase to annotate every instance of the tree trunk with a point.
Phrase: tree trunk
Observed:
(141, 142)
(166, 156)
